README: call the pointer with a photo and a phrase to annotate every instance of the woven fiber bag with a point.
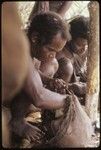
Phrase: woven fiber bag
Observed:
(74, 128)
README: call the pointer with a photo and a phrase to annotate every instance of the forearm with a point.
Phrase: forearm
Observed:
(78, 88)
(50, 100)
(42, 97)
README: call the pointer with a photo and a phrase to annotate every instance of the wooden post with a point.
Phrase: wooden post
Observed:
(40, 6)
(61, 7)
(93, 62)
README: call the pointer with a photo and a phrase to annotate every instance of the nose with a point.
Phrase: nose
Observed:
(52, 54)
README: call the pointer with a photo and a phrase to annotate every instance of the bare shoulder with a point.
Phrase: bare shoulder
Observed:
(64, 61)
(66, 64)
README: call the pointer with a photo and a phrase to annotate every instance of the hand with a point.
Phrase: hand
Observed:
(57, 85)
(78, 88)
(25, 130)
(33, 133)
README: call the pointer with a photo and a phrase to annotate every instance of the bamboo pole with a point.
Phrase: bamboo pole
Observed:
(93, 62)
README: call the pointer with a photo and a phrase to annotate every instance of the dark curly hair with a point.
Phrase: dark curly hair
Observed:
(45, 26)
(79, 27)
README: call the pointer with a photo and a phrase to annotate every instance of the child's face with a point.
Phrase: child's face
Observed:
(57, 44)
(80, 44)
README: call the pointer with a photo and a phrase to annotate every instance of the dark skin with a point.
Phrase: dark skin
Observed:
(16, 73)
(49, 64)
(39, 96)
(76, 49)
(35, 92)
(33, 89)
(14, 70)
(67, 70)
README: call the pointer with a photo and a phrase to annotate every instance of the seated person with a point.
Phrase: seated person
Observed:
(72, 58)
(48, 34)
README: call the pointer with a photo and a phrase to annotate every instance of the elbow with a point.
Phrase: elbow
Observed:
(38, 103)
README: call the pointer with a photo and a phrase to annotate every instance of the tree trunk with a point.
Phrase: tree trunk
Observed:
(40, 6)
(93, 62)
(57, 6)
(60, 7)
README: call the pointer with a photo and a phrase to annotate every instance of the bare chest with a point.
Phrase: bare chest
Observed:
(49, 68)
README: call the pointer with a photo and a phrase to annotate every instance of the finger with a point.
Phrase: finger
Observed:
(28, 138)
(36, 129)
(64, 91)
(62, 82)
(38, 142)
(34, 138)
(40, 133)
(58, 85)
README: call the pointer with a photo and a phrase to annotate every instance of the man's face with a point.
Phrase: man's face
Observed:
(56, 45)
(81, 45)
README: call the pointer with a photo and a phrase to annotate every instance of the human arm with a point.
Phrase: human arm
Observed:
(79, 88)
(54, 84)
(44, 78)
(41, 97)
